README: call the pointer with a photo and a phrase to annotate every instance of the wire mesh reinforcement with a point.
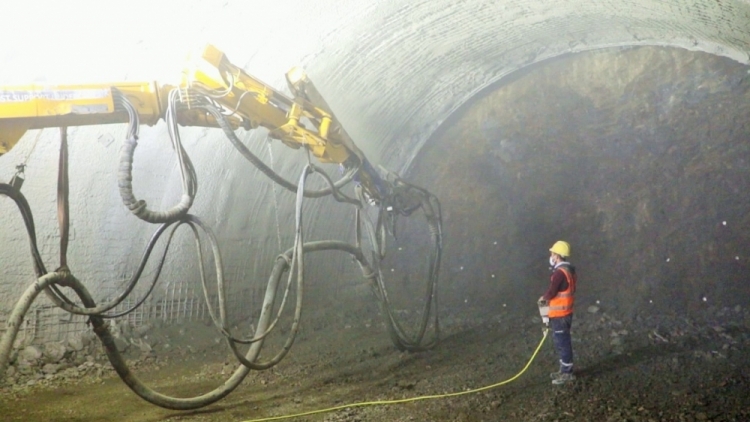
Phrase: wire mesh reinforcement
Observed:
(179, 300)
(179, 303)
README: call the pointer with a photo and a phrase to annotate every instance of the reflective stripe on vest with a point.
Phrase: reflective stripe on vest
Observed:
(562, 304)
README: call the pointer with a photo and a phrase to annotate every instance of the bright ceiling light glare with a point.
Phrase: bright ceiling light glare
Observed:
(94, 42)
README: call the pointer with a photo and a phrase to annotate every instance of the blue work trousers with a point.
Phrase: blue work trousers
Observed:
(561, 339)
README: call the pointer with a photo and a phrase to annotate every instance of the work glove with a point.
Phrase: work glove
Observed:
(541, 302)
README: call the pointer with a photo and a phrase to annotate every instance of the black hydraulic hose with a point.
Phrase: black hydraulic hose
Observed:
(336, 191)
(257, 162)
(396, 332)
(39, 268)
(263, 329)
(431, 208)
(102, 331)
(28, 219)
(281, 266)
(297, 258)
(68, 306)
(125, 170)
(154, 280)
(434, 225)
(52, 292)
(221, 321)
(239, 374)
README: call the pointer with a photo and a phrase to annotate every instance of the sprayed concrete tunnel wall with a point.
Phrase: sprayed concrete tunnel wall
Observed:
(393, 72)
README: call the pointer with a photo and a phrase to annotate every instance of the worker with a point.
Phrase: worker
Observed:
(559, 297)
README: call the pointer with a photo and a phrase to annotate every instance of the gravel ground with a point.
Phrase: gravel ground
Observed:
(648, 368)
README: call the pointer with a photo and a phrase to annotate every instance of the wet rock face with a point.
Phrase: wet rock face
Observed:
(639, 158)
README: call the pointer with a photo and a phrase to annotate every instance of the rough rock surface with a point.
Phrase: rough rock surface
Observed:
(639, 158)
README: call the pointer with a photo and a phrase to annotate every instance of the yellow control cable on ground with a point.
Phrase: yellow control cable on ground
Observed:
(413, 399)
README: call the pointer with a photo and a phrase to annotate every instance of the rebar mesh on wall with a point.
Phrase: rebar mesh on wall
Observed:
(179, 302)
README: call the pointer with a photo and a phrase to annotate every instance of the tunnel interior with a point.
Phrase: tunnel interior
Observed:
(637, 157)
(619, 127)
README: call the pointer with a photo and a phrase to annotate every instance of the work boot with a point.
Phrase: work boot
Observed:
(563, 377)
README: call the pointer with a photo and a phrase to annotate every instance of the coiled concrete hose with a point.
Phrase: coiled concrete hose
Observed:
(177, 216)
(125, 170)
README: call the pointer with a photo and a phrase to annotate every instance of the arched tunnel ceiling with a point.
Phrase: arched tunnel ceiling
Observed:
(395, 75)
(392, 71)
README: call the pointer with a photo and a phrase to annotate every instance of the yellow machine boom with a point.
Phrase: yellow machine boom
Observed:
(215, 93)
(302, 121)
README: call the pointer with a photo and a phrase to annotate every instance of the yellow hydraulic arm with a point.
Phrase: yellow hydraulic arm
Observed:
(36, 107)
(302, 121)
(260, 105)
(215, 93)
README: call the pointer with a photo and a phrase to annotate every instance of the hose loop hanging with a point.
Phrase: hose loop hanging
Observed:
(401, 198)
(125, 170)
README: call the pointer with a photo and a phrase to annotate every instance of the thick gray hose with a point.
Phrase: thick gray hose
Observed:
(125, 169)
(102, 331)
(297, 257)
(13, 324)
(139, 207)
(46, 282)
(281, 266)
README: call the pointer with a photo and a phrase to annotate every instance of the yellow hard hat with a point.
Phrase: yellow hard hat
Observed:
(561, 248)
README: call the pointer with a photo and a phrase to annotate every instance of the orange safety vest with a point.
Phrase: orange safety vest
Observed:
(562, 304)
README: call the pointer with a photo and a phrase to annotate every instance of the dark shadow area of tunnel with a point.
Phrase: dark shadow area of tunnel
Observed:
(636, 156)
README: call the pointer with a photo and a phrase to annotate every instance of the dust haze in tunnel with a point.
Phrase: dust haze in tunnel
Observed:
(638, 157)
(392, 71)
